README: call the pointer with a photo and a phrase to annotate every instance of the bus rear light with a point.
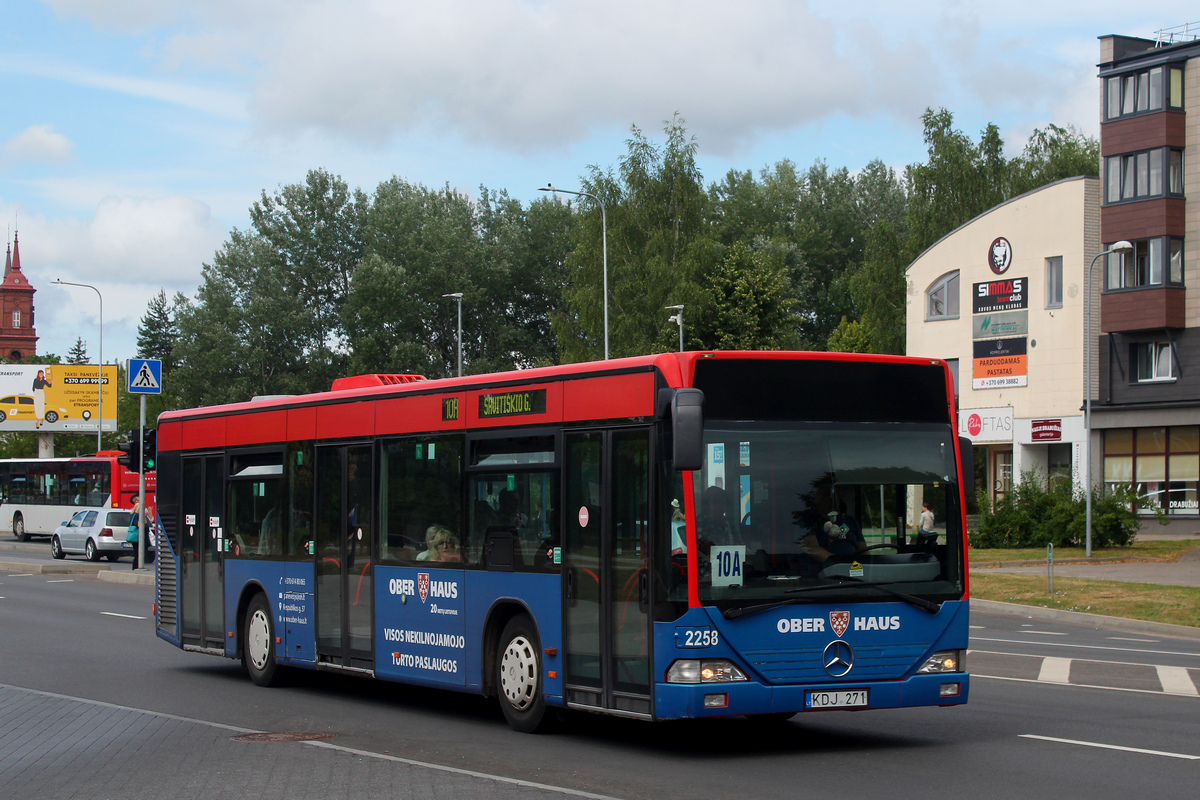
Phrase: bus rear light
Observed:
(710, 670)
(950, 689)
(106, 532)
(716, 701)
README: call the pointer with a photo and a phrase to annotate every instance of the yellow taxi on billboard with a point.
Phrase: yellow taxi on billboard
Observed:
(21, 406)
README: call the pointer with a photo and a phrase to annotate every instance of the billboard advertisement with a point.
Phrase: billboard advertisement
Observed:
(1000, 364)
(56, 398)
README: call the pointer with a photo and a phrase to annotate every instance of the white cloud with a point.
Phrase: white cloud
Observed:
(156, 241)
(39, 143)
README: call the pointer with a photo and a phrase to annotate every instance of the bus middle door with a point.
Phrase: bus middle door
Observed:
(202, 605)
(605, 570)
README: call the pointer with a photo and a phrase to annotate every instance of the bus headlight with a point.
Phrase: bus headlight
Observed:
(709, 670)
(944, 661)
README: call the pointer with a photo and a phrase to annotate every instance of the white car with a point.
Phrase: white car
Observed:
(96, 532)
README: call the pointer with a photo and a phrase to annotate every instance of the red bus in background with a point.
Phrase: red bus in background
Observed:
(38, 494)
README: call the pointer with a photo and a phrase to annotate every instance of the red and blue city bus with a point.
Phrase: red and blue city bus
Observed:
(684, 535)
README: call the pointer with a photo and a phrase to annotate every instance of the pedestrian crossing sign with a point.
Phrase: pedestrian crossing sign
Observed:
(144, 376)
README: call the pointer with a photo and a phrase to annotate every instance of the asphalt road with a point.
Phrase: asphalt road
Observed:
(93, 705)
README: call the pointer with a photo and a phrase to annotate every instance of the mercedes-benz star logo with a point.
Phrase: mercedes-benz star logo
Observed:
(838, 658)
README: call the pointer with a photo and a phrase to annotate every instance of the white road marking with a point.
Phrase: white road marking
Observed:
(1072, 685)
(125, 616)
(1047, 633)
(365, 753)
(23, 574)
(1055, 670)
(1090, 647)
(1175, 680)
(1111, 747)
(63, 580)
(977, 627)
(1123, 639)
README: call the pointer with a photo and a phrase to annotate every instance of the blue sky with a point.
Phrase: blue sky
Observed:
(134, 134)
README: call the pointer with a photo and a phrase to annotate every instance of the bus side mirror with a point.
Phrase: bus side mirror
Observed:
(968, 466)
(687, 429)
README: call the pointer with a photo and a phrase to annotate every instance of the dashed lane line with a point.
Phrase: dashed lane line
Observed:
(123, 616)
(1055, 670)
(1101, 745)
(1089, 647)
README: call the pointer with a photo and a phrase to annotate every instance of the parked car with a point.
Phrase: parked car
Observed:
(97, 532)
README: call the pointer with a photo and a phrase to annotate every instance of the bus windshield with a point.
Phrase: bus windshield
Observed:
(817, 512)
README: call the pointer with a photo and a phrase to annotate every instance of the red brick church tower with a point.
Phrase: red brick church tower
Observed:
(18, 339)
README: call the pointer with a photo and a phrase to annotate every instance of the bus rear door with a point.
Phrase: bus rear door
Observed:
(201, 601)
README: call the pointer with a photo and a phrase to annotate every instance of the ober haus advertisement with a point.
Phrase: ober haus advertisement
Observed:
(56, 398)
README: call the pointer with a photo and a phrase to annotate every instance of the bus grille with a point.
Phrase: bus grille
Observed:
(871, 663)
(167, 566)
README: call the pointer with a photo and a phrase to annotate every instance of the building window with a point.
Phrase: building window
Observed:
(1152, 361)
(943, 298)
(1162, 464)
(1054, 282)
(1153, 262)
(16, 318)
(1138, 176)
(1143, 92)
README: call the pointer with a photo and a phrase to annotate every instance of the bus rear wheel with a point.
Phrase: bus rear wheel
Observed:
(518, 676)
(19, 528)
(258, 642)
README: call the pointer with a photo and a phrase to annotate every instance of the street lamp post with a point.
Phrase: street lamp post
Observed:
(99, 362)
(1123, 247)
(677, 317)
(458, 296)
(603, 248)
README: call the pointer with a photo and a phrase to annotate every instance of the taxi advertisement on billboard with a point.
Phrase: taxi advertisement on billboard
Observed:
(56, 398)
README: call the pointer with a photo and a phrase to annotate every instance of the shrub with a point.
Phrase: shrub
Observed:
(1037, 512)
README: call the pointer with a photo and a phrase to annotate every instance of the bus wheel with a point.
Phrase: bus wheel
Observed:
(258, 642)
(56, 548)
(19, 528)
(518, 676)
(90, 550)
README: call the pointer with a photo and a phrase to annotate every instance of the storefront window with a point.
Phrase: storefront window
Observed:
(1163, 465)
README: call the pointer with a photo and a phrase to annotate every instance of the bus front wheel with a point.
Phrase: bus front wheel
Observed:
(518, 676)
(19, 528)
(258, 642)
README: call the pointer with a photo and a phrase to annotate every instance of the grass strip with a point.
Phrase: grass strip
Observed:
(1168, 550)
(1178, 605)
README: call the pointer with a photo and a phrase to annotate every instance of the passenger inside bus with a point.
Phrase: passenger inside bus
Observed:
(440, 545)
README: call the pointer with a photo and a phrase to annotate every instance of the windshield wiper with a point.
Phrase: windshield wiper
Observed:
(912, 600)
(919, 602)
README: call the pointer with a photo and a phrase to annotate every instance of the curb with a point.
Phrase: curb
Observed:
(101, 572)
(129, 577)
(1084, 618)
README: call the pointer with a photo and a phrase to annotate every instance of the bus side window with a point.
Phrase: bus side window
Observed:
(420, 486)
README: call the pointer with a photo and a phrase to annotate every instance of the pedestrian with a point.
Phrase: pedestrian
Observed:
(132, 534)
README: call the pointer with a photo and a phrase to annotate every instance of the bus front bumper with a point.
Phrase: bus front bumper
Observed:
(681, 701)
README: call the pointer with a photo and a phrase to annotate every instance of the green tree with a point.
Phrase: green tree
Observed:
(747, 306)
(1052, 154)
(656, 250)
(78, 352)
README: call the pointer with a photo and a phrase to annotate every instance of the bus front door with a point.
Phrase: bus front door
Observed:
(605, 576)
(201, 598)
(343, 554)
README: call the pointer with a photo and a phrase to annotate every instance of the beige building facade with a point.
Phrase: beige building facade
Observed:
(1002, 299)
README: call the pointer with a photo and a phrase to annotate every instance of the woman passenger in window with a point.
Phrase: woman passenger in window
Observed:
(440, 544)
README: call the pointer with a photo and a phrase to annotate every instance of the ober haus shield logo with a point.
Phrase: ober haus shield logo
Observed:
(423, 585)
(840, 620)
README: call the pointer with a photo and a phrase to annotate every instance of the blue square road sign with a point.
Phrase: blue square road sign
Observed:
(144, 376)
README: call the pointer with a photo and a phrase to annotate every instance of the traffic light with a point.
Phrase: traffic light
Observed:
(130, 450)
(149, 449)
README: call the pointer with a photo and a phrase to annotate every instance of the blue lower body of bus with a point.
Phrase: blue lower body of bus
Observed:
(432, 627)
